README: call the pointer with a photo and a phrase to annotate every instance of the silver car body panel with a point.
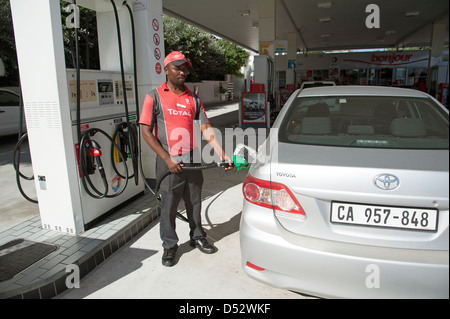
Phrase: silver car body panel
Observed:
(334, 270)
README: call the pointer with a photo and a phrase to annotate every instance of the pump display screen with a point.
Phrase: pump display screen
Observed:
(105, 92)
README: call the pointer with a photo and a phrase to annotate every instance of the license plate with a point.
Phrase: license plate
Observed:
(384, 216)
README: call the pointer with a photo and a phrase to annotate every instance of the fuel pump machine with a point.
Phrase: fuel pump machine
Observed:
(81, 123)
(104, 149)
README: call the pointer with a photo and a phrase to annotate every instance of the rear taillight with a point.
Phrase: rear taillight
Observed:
(270, 195)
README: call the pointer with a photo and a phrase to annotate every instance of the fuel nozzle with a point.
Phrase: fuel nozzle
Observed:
(243, 156)
(88, 159)
(239, 162)
(95, 153)
(94, 148)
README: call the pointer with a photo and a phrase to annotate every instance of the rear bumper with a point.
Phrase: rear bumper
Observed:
(339, 270)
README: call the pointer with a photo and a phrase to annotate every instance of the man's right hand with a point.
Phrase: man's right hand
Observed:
(173, 166)
(152, 141)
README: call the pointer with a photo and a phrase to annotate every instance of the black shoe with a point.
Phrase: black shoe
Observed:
(168, 258)
(203, 245)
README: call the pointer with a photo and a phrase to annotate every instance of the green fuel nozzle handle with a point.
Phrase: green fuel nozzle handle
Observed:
(240, 163)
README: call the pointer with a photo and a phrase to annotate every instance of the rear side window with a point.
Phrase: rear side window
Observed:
(370, 121)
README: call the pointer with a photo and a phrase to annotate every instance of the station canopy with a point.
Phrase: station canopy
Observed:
(321, 25)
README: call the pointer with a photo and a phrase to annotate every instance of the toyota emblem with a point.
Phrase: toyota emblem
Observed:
(387, 182)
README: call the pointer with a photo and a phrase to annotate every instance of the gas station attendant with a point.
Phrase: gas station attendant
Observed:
(171, 110)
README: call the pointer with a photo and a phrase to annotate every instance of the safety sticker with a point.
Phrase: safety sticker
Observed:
(115, 183)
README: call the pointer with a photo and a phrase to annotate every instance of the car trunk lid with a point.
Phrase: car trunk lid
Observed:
(322, 176)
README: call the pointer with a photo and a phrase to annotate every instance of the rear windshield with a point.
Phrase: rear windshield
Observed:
(313, 85)
(375, 122)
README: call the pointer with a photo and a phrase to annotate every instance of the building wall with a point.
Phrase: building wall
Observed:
(399, 68)
(357, 60)
(208, 91)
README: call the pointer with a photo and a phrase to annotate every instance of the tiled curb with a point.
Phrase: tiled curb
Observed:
(47, 278)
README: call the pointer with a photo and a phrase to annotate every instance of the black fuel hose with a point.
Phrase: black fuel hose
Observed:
(193, 168)
(116, 134)
(139, 142)
(200, 167)
(83, 167)
(124, 89)
(22, 138)
(133, 36)
(17, 149)
(136, 93)
(16, 164)
(78, 78)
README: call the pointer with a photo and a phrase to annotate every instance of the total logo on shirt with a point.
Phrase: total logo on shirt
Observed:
(179, 113)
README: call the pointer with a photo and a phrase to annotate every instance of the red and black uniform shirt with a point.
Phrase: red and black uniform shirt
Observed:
(173, 116)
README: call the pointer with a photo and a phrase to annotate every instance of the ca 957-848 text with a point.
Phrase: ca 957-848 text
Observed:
(384, 216)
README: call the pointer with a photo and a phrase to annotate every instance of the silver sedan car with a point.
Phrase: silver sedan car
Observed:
(349, 196)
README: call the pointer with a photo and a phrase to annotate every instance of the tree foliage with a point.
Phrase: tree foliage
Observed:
(199, 47)
(211, 57)
(8, 46)
(235, 57)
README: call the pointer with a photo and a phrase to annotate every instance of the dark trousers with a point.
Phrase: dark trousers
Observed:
(186, 185)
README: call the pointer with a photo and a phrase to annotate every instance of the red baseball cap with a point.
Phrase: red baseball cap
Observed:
(176, 58)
